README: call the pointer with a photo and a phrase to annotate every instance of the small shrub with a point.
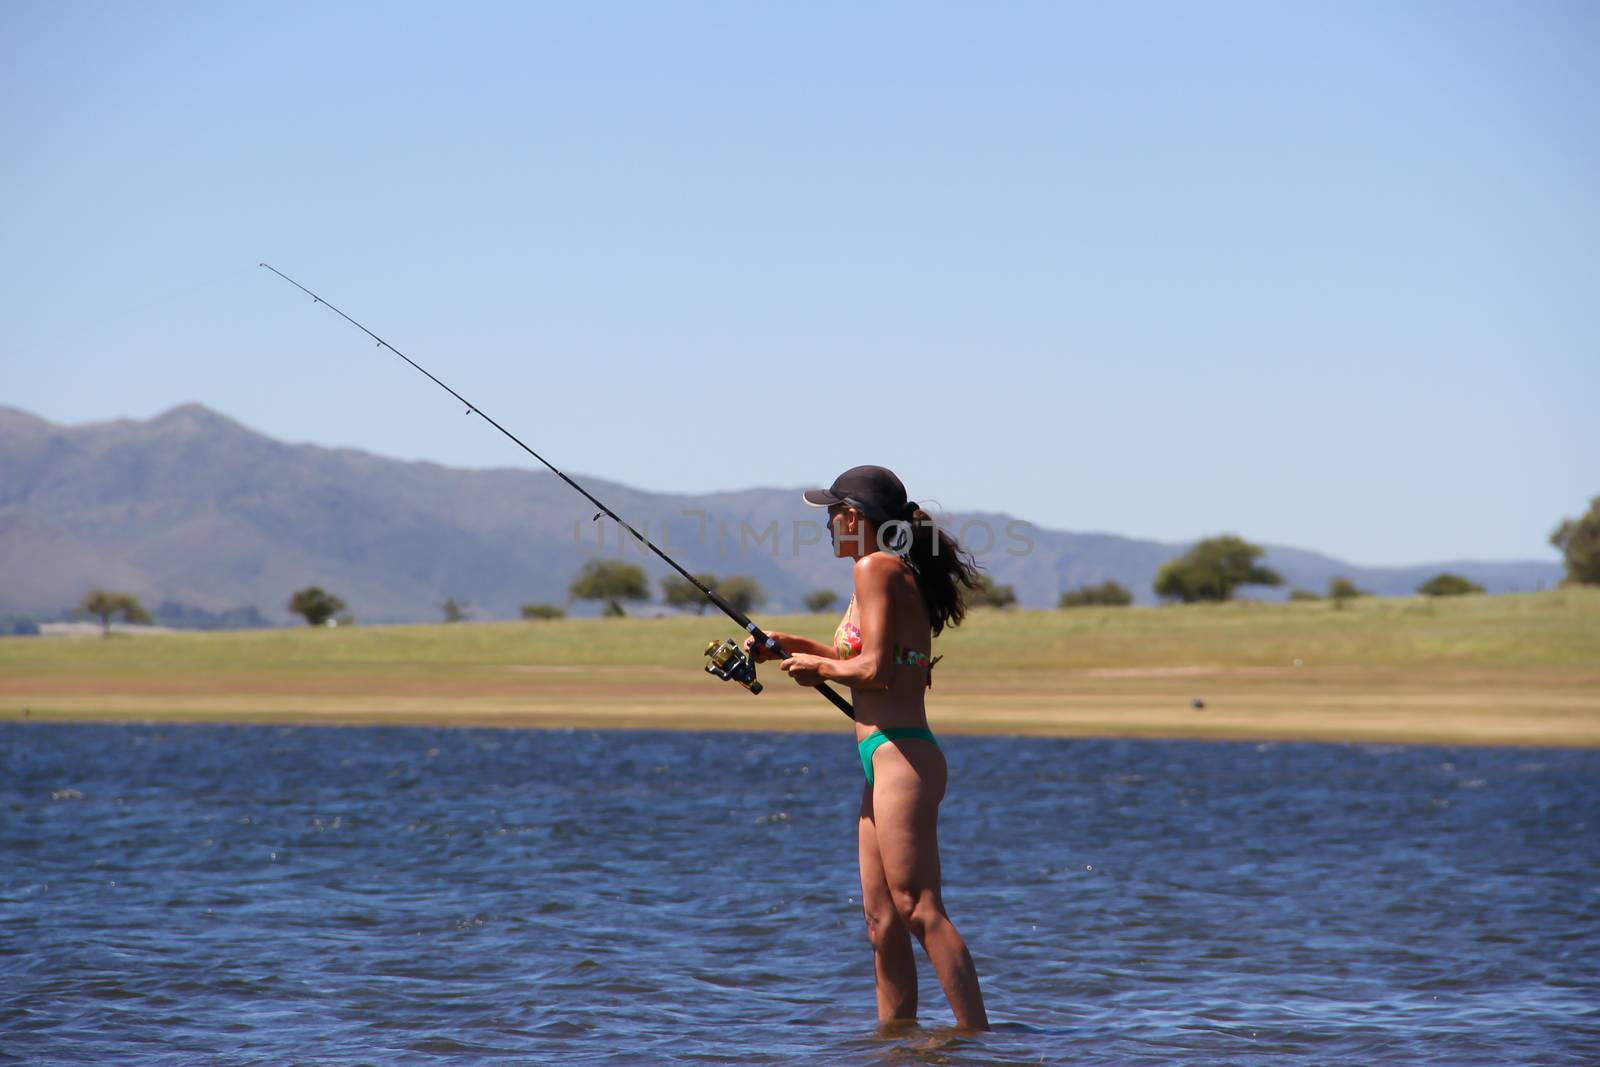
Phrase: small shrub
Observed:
(742, 592)
(1107, 594)
(821, 600)
(316, 605)
(678, 592)
(103, 604)
(1344, 589)
(986, 594)
(1447, 584)
(543, 611)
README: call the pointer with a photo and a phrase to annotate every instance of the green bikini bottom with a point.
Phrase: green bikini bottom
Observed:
(869, 744)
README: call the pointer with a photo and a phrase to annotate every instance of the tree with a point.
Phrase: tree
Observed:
(316, 605)
(1213, 569)
(1579, 542)
(1303, 594)
(986, 594)
(679, 592)
(456, 610)
(542, 611)
(1107, 594)
(821, 600)
(1340, 589)
(742, 592)
(610, 582)
(103, 604)
(1447, 584)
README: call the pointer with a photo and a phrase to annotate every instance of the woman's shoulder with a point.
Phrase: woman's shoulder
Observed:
(880, 567)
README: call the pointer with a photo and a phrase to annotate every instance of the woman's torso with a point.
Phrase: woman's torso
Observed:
(910, 641)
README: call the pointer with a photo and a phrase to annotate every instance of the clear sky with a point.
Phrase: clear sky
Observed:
(1319, 274)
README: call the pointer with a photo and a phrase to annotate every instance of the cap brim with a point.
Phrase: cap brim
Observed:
(822, 498)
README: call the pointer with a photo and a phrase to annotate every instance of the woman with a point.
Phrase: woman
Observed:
(908, 579)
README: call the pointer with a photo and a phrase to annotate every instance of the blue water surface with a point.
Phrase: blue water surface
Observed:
(244, 895)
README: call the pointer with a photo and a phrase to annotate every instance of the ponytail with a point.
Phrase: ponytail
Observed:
(942, 567)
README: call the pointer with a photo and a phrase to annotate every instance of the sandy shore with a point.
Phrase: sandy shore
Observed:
(1479, 708)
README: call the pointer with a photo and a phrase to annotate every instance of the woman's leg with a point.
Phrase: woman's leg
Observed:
(894, 965)
(904, 813)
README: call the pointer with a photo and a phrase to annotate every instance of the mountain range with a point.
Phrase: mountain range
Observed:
(213, 523)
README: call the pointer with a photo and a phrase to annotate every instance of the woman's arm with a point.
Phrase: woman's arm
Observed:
(791, 643)
(871, 667)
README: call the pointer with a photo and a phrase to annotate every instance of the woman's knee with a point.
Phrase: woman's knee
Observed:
(918, 911)
(884, 924)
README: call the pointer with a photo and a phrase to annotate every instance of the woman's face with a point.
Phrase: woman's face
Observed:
(844, 526)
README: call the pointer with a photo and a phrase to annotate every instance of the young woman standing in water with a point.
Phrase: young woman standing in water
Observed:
(909, 576)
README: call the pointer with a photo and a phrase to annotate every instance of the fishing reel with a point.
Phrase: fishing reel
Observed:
(729, 663)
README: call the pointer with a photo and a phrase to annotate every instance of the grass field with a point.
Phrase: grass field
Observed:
(1516, 669)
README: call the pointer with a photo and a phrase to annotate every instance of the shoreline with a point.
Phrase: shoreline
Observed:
(1518, 670)
(1494, 709)
(1221, 735)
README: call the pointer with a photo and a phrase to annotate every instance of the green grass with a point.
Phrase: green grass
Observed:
(1553, 629)
(1545, 630)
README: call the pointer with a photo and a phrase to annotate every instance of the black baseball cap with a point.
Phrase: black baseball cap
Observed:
(875, 491)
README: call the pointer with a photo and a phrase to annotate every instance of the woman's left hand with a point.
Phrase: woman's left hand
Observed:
(804, 668)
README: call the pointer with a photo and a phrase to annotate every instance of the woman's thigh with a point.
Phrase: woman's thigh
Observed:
(875, 899)
(910, 783)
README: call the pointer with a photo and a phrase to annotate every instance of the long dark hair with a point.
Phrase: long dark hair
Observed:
(944, 569)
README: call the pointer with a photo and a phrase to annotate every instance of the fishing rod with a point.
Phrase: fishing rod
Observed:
(727, 660)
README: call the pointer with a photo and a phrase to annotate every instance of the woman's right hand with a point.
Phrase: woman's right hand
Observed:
(759, 653)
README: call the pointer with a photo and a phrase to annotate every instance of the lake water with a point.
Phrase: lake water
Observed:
(233, 895)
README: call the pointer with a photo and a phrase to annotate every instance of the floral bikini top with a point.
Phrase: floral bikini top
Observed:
(847, 643)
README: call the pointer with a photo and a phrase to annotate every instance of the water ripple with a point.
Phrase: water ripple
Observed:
(342, 896)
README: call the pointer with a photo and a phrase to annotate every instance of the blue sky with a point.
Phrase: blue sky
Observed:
(1320, 274)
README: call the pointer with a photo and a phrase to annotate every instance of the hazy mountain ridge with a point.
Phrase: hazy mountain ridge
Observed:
(195, 508)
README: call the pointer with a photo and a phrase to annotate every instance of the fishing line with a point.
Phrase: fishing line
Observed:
(725, 657)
